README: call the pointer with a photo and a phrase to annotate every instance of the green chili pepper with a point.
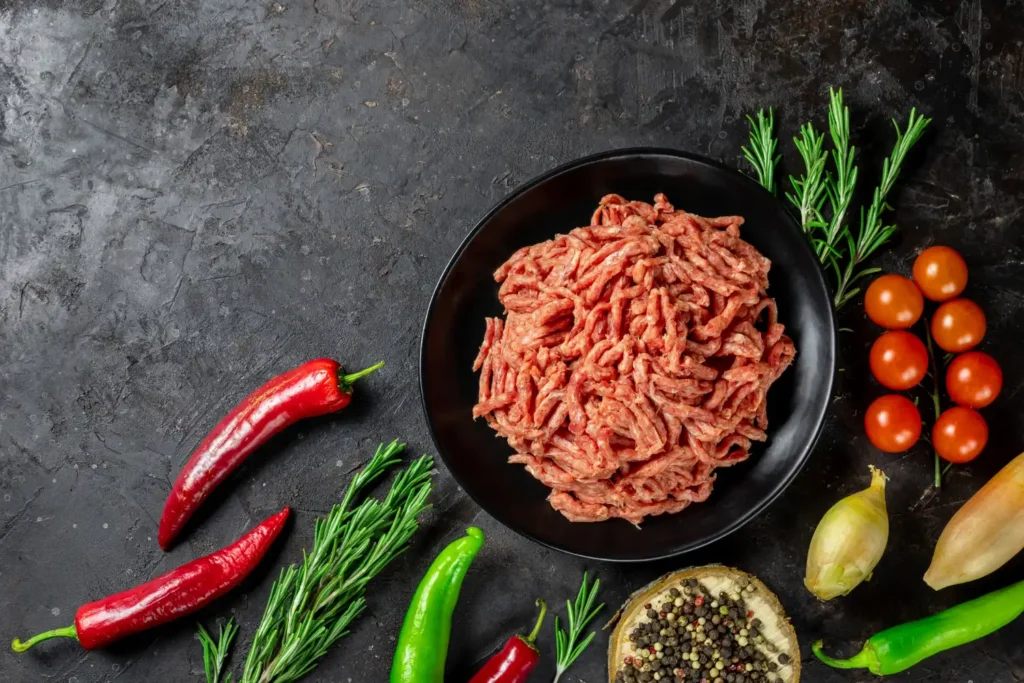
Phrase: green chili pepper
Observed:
(423, 643)
(901, 647)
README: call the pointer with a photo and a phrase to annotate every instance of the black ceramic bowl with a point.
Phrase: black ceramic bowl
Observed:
(556, 203)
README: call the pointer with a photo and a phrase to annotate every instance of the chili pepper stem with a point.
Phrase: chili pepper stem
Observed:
(532, 638)
(346, 381)
(66, 632)
(865, 659)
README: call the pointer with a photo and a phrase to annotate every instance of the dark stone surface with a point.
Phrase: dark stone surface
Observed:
(196, 195)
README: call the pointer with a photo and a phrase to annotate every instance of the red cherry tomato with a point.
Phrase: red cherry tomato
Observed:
(940, 272)
(893, 423)
(958, 325)
(960, 434)
(899, 360)
(974, 379)
(893, 302)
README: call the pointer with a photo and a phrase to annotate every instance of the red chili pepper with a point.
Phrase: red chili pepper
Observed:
(516, 660)
(168, 597)
(312, 389)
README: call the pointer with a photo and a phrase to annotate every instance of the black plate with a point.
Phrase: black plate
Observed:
(556, 203)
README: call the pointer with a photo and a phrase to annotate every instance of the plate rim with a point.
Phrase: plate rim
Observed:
(819, 418)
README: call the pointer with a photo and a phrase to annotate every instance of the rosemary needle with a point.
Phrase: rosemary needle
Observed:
(579, 613)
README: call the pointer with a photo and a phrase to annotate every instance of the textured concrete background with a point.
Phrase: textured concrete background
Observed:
(198, 194)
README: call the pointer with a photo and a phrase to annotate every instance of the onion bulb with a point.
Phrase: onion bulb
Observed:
(849, 541)
(983, 534)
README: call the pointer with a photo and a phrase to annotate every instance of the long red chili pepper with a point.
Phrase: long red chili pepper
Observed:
(312, 389)
(168, 597)
(516, 660)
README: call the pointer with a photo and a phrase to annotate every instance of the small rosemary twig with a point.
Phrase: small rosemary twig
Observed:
(215, 652)
(872, 232)
(808, 196)
(839, 187)
(579, 613)
(761, 153)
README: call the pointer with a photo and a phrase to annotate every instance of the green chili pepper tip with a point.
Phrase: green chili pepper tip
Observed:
(867, 658)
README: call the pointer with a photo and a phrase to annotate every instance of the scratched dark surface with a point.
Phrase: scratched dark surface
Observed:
(198, 194)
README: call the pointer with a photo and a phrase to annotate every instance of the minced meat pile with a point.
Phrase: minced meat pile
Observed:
(634, 359)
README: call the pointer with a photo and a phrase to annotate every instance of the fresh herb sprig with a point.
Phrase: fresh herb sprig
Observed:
(579, 613)
(872, 232)
(823, 197)
(215, 652)
(312, 604)
(762, 151)
(839, 187)
(809, 190)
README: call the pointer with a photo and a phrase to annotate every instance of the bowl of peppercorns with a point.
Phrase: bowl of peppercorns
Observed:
(712, 624)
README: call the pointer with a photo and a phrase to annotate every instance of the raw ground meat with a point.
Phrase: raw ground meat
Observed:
(634, 359)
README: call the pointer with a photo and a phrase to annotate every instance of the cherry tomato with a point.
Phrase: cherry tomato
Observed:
(941, 273)
(958, 325)
(899, 360)
(959, 434)
(974, 379)
(893, 423)
(893, 302)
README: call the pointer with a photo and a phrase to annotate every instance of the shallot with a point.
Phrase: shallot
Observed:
(983, 534)
(849, 541)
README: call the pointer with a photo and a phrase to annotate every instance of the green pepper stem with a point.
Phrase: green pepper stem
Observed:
(66, 632)
(530, 639)
(865, 659)
(347, 380)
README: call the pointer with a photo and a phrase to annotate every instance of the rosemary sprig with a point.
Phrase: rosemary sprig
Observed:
(215, 652)
(312, 605)
(839, 187)
(761, 153)
(823, 197)
(579, 613)
(809, 190)
(873, 233)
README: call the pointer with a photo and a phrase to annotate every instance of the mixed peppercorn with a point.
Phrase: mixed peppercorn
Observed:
(696, 637)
